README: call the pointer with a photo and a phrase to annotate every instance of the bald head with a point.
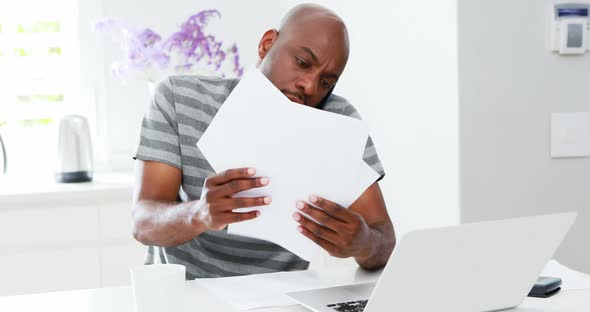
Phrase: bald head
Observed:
(305, 57)
(310, 15)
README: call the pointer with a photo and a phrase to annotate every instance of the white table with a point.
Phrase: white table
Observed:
(119, 299)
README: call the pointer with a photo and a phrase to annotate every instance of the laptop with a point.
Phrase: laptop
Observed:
(484, 266)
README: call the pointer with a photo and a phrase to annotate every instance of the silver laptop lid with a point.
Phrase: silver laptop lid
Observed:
(483, 266)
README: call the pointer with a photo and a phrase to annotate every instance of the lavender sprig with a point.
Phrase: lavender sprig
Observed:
(191, 48)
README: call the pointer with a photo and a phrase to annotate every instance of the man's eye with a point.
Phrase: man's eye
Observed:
(326, 84)
(301, 63)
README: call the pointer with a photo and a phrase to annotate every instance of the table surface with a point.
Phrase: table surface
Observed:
(119, 299)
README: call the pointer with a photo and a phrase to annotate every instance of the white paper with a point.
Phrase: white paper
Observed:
(269, 290)
(365, 177)
(303, 150)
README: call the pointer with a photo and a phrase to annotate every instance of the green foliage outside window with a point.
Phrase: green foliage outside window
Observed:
(35, 98)
(54, 51)
(51, 51)
(22, 52)
(36, 122)
(39, 27)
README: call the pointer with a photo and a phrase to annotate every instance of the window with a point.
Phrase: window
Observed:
(39, 79)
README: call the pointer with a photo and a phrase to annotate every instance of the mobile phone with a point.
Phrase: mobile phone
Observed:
(545, 287)
(325, 99)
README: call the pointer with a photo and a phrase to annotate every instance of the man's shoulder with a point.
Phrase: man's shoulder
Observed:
(339, 105)
(203, 84)
(196, 94)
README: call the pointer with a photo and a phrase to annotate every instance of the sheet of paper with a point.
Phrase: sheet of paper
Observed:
(268, 290)
(302, 150)
(365, 177)
(278, 227)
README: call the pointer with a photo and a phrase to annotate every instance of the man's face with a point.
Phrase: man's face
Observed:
(305, 62)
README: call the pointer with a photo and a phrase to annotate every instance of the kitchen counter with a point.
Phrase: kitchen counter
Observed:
(23, 191)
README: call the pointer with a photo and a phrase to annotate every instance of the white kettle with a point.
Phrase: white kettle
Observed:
(74, 159)
(4, 160)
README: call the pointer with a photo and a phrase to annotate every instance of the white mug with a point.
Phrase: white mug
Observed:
(158, 287)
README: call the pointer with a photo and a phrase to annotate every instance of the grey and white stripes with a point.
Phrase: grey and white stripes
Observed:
(180, 112)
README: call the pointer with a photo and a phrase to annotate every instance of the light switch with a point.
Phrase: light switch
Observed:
(570, 135)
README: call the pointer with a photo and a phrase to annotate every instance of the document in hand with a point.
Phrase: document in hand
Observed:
(302, 150)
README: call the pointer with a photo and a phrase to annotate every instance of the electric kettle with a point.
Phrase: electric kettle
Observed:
(74, 148)
(4, 160)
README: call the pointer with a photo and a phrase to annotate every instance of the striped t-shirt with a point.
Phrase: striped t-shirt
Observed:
(180, 111)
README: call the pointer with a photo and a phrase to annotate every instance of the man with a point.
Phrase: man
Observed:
(304, 60)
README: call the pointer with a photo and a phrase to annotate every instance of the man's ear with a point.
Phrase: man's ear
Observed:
(266, 42)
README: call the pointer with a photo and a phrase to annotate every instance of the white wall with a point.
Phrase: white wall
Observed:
(402, 77)
(510, 83)
(118, 106)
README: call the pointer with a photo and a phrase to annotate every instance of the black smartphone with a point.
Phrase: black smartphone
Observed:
(545, 287)
(325, 99)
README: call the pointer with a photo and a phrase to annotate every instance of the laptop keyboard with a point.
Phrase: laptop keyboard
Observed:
(350, 306)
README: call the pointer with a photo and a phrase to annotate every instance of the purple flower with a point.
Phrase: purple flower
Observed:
(148, 37)
(110, 25)
(190, 47)
(238, 70)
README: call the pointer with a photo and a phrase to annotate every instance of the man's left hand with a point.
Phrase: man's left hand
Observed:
(342, 233)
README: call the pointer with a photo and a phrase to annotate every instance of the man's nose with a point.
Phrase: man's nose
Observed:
(308, 84)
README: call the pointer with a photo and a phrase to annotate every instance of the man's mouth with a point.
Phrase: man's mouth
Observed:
(294, 97)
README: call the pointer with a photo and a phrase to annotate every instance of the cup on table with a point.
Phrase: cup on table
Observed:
(158, 287)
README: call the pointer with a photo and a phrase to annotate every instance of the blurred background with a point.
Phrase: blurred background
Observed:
(458, 96)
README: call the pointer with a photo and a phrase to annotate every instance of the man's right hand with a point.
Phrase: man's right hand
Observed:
(215, 208)
(158, 219)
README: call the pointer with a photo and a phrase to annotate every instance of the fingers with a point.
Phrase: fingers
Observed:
(319, 231)
(228, 175)
(319, 215)
(326, 245)
(235, 186)
(332, 208)
(230, 204)
(235, 217)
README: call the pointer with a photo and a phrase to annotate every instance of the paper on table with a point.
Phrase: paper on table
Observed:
(302, 150)
(269, 290)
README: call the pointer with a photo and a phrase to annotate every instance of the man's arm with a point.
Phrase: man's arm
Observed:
(371, 206)
(363, 231)
(161, 221)
(157, 218)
